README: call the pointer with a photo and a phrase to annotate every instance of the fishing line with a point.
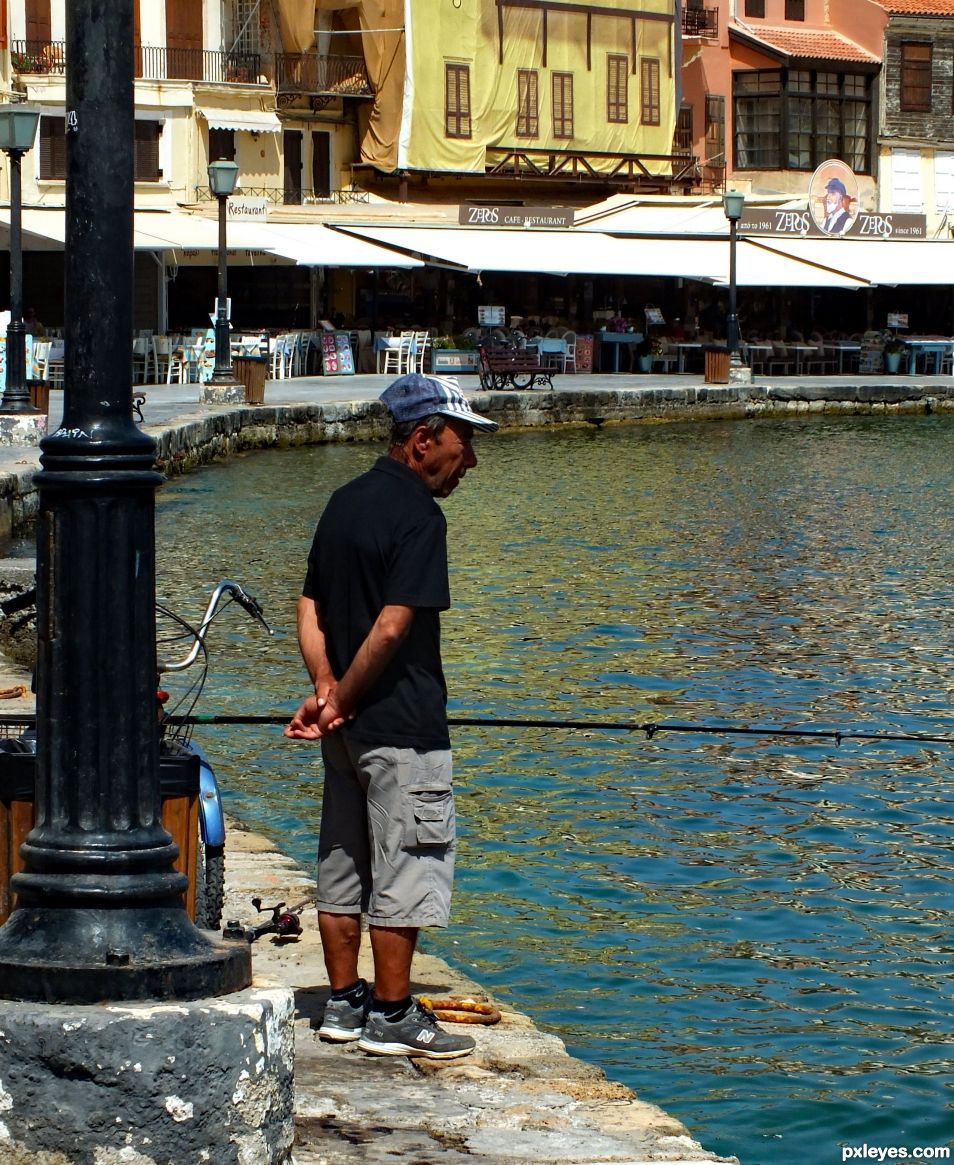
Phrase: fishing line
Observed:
(650, 728)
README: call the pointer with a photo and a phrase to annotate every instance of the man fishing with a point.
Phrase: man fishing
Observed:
(369, 633)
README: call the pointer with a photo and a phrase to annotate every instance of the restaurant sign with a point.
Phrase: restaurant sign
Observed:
(527, 217)
(244, 208)
(834, 208)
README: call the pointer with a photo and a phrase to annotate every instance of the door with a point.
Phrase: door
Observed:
(291, 142)
(184, 40)
(321, 164)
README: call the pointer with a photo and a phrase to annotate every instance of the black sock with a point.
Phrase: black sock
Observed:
(354, 994)
(392, 1009)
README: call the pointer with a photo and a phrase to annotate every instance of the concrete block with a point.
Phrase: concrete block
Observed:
(153, 1084)
(222, 394)
(22, 428)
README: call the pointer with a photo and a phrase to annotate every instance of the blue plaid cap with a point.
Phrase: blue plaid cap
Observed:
(413, 397)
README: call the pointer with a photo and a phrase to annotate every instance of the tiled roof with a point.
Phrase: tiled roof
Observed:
(819, 44)
(918, 7)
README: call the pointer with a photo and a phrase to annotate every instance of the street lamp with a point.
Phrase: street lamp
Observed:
(17, 133)
(222, 176)
(732, 203)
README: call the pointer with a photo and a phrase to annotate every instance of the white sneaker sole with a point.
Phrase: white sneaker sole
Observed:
(339, 1035)
(376, 1049)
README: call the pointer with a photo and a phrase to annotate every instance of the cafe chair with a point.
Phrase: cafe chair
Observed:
(52, 367)
(781, 359)
(422, 341)
(170, 362)
(143, 366)
(280, 357)
(399, 359)
(569, 355)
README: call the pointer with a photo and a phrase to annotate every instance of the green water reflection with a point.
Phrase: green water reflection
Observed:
(754, 933)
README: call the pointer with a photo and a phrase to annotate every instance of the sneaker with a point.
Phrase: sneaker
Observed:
(416, 1034)
(344, 1021)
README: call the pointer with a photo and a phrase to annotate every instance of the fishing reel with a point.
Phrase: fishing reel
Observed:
(284, 923)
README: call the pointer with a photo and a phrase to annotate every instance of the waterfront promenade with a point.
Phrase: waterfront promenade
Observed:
(521, 1098)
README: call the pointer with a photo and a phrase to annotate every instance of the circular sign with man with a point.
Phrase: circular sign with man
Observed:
(833, 198)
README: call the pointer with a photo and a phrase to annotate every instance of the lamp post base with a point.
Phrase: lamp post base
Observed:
(739, 373)
(223, 392)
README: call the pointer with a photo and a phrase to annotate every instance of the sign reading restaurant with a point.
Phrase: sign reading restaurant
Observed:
(528, 217)
(833, 209)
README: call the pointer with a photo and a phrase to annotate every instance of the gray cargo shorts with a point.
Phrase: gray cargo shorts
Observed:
(388, 828)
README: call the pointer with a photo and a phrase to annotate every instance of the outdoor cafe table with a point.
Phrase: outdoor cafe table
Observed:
(843, 348)
(936, 346)
(616, 341)
(686, 348)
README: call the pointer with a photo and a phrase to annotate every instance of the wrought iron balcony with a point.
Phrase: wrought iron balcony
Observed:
(321, 76)
(702, 22)
(153, 62)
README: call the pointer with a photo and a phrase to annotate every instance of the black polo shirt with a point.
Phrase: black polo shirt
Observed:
(382, 539)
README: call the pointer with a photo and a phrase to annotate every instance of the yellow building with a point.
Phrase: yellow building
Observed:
(520, 88)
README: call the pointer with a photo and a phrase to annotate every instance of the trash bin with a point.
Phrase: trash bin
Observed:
(250, 371)
(39, 394)
(717, 364)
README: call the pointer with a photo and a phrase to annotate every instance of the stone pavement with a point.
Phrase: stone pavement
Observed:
(520, 1098)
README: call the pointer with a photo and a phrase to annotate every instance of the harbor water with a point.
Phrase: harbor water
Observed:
(753, 932)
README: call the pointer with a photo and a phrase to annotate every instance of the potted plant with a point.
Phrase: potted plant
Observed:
(892, 351)
(645, 352)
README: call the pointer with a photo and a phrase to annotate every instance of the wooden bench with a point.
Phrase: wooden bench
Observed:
(512, 368)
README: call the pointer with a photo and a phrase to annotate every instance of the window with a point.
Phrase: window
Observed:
(528, 118)
(245, 26)
(682, 138)
(320, 163)
(221, 144)
(906, 182)
(915, 77)
(793, 119)
(755, 8)
(53, 150)
(563, 105)
(715, 130)
(456, 101)
(649, 90)
(943, 181)
(794, 9)
(617, 88)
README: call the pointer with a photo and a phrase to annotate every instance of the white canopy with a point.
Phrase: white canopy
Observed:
(248, 120)
(314, 245)
(889, 262)
(591, 253)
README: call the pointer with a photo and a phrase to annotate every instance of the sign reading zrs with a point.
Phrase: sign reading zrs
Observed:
(541, 217)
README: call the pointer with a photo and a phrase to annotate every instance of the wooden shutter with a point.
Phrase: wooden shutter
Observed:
(291, 147)
(528, 119)
(321, 164)
(53, 148)
(147, 151)
(617, 88)
(562, 93)
(649, 90)
(39, 26)
(184, 39)
(456, 101)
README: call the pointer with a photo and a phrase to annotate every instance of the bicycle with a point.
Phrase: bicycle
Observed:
(178, 753)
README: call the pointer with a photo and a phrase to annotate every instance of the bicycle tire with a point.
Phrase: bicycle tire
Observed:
(209, 886)
(522, 380)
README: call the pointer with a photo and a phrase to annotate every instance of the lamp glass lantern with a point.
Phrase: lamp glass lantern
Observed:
(223, 176)
(18, 125)
(733, 202)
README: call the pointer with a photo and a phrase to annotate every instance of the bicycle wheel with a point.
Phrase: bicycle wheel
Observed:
(209, 886)
(522, 379)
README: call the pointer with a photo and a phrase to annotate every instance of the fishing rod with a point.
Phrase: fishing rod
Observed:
(650, 728)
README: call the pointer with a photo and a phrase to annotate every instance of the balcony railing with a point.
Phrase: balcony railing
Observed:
(153, 62)
(291, 195)
(320, 76)
(700, 22)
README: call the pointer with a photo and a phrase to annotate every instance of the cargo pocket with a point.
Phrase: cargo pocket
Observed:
(432, 819)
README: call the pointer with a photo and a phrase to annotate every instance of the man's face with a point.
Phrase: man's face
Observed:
(448, 457)
(832, 201)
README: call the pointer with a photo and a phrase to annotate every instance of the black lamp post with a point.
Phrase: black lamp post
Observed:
(733, 202)
(99, 912)
(17, 133)
(222, 177)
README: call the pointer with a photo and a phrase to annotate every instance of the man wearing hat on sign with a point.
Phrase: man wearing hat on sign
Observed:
(837, 208)
(369, 633)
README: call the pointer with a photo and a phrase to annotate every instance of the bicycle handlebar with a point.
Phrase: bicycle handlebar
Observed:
(247, 602)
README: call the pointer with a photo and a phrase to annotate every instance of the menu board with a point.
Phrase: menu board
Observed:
(337, 358)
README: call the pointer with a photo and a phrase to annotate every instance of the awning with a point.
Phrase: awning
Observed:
(247, 120)
(593, 253)
(888, 262)
(552, 252)
(314, 245)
